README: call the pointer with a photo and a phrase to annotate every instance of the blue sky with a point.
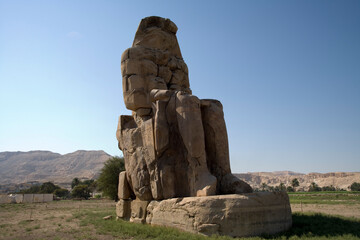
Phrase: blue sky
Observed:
(287, 73)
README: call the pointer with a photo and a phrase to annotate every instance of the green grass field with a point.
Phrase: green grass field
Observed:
(305, 226)
(325, 197)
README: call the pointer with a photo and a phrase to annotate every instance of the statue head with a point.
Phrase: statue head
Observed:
(159, 33)
(153, 62)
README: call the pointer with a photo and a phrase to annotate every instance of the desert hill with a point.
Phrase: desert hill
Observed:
(42, 166)
(340, 180)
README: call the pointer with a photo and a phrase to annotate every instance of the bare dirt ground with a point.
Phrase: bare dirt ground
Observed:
(55, 220)
(62, 219)
(332, 209)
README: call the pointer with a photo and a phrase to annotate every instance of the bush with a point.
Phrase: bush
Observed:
(355, 186)
(280, 188)
(290, 189)
(109, 177)
(81, 191)
(75, 182)
(48, 187)
(314, 187)
(61, 193)
(32, 189)
(328, 188)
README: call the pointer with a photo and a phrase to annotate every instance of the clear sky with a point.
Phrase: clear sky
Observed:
(287, 73)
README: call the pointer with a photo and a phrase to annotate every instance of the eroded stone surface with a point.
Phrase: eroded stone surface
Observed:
(174, 144)
(175, 147)
(123, 209)
(124, 191)
(234, 215)
(138, 211)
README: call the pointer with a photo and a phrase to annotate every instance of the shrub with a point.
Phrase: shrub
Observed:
(314, 187)
(355, 186)
(109, 177)
(328, 188)
(290, 189)
(62, 193)
(81, 191)
(48, 187)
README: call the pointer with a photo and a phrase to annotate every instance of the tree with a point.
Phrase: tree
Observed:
(295, 183)
(32, 189)
(328, 188)
(290, 189)
(48, 187)
(264, 187)
(75, 182)
(87, 182)
(61, 193)
(93, 186)
(355, 186)
(81, 191)
(314, 187)
(282, 187)
(109, 177)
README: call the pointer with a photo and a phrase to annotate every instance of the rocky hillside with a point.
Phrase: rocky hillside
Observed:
(337, 179)
(41, 166)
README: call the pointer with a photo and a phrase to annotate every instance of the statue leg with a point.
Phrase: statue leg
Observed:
(188, 111)
(217, 148)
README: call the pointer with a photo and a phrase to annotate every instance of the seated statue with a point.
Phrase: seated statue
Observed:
(174, 144)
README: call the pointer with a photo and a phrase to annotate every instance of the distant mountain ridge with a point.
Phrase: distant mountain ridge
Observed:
(42, 166)
(340, 180)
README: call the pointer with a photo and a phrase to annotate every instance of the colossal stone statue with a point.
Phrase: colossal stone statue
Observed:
(174, 144)
(176, 150)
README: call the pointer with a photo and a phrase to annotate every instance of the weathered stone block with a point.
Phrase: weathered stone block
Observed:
(138, 211)
(137, 98)
(124, 191)
(125, 55)
(140, 67)
(134, 82)
(123, 209)
(235, 215)
(165, 73)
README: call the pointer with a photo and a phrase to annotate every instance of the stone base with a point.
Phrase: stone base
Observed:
(234, 215)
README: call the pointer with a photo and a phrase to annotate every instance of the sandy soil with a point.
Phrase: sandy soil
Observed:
(336, 209)
(54, 220)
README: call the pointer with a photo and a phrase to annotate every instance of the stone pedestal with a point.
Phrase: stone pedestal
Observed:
(234, 215)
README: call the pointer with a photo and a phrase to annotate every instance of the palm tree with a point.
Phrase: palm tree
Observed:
(295, 183)
(263, 187)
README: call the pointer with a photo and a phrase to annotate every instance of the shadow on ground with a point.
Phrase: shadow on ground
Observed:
(320, 225)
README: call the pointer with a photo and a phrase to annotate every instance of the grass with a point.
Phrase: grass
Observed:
(305, 226)
(325, 197)
(325, 192)
(4, 225)
(87, 223)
